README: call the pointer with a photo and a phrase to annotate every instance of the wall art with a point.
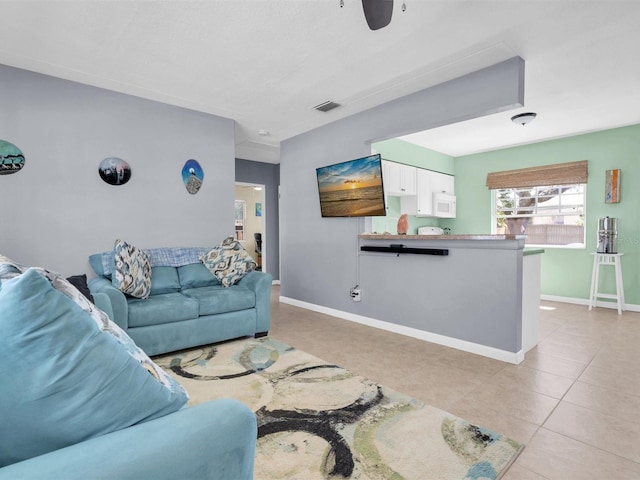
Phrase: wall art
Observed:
(11, 158)
(612, 186)
(192, 176)
(114, 171)
(240, 214)
(258, 209)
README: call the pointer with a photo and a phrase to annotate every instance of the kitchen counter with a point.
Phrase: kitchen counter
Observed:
(476, 292)
(471, 236)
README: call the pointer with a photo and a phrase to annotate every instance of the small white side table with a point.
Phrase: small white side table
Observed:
(607, 259)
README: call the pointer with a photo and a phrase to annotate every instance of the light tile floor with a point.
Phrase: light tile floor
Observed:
(574, 401)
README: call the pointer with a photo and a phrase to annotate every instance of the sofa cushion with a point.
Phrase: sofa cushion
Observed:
(219, 299)
(80, 282)
(95, 261)
(196, 275)
(132, 270)
(229, 262)
(165, 308)
(63, 378)
(164, 280)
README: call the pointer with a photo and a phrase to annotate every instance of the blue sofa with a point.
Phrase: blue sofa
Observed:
(213, 441)
(188, 306)
(79, 400)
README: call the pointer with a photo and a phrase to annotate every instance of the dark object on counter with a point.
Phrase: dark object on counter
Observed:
(398, 249)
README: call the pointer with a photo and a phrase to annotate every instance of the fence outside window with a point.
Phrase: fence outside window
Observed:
(548, 215)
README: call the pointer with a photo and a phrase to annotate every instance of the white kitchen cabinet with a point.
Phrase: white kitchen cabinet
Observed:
(399, 179)
(427, 184)
(424, 194)
(442, 183)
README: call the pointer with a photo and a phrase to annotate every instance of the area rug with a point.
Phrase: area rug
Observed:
(320, 421)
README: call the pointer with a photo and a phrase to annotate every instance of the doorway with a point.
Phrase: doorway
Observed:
(250, 221)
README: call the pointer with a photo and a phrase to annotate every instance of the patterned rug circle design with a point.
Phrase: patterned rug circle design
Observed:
(320, 421)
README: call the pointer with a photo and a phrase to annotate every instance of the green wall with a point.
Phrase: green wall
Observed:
(410, 154)
(567, 272)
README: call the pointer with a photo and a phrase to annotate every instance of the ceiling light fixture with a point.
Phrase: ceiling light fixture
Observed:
(263, 133)
(377, 12)
(524, 118)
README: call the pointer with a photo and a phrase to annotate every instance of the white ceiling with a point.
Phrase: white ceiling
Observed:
(266, 63)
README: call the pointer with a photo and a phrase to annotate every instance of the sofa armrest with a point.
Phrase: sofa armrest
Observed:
(260, 283)
(101, 301)
(213, 440)
(119, 306)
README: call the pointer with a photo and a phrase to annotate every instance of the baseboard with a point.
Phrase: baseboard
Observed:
(470, 347)
(583, 301)
(275, 282)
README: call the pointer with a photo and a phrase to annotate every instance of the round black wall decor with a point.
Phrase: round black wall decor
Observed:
(114, 171)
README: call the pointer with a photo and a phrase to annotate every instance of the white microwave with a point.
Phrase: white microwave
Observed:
(444, 205)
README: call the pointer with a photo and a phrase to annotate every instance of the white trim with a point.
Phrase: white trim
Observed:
(585, 302)
(275, 282)
(486, 351)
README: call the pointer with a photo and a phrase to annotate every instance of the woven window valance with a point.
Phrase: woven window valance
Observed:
(557, 174)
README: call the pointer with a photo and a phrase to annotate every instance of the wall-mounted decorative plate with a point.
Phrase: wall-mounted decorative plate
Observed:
(114, 171)
(192, 176)
(11, 158)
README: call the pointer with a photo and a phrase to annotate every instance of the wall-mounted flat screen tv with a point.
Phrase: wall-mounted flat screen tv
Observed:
(352, 189)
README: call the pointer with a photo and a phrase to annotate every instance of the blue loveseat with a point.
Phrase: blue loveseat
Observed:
(79, 400)
(188, 305)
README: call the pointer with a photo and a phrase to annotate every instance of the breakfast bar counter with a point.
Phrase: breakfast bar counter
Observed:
(470, 236)
(475, 292)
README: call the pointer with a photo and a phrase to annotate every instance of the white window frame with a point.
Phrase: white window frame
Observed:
(494, 215)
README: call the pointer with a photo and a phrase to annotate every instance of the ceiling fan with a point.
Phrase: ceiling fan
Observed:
(378, 12)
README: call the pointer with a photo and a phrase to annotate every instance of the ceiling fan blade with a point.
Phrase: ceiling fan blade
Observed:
(377, 12)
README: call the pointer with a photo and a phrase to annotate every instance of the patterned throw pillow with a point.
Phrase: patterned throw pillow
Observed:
(229, 262)
(132, 272)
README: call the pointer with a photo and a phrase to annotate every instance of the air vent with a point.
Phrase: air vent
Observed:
(326, 106)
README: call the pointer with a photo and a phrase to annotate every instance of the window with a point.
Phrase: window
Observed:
(544, 202)
(548, 215)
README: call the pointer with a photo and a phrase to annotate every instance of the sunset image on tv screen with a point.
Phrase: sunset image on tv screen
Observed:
(352, 189)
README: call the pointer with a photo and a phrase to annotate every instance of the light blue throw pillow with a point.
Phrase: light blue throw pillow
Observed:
(164, 280)
(63, 379)
(196, 275)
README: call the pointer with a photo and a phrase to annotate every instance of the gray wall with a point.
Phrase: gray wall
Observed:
(320, 255)
(57, 210)
(473, 294)
(266, 174)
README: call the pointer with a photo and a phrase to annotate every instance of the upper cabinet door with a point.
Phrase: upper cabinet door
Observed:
(399, 179)
(424, 196)
(390, 177)
(408, 174)
(442, 183)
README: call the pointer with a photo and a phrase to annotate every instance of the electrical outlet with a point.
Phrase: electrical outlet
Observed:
(356, 294)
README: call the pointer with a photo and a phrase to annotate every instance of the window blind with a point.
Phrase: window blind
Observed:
(557, 174)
